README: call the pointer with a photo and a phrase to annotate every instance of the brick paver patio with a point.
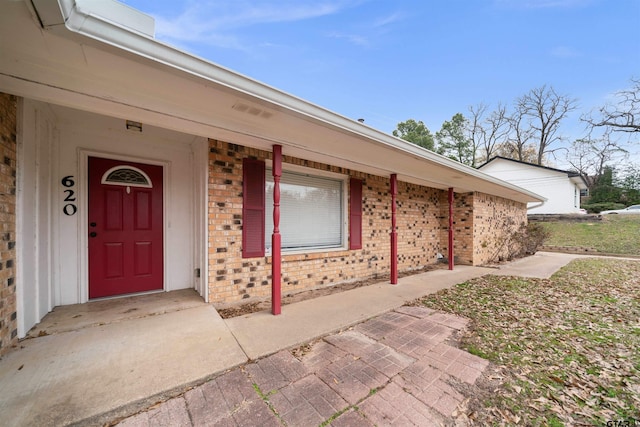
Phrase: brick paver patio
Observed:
(395, 369)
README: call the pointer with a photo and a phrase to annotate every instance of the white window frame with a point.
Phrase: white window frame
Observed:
(344, 179)
(105, 177)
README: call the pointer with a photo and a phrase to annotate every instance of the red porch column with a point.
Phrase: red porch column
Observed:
(276, 241)
(394, 233)
(451, 229)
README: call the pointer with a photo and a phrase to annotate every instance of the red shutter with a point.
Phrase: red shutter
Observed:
(253, 196)
(355, 214)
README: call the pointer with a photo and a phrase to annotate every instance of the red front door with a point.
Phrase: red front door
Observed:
(125, 227)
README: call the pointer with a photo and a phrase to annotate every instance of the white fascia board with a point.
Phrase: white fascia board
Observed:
(579, 181)
(54, 13)
(118, 14)
(81, 21)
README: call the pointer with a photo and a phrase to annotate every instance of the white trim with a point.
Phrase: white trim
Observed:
(290, 167)
(36, 212)
(312, 172)
(133, 294)
(83, 211)
(200, 203)
(20, 171)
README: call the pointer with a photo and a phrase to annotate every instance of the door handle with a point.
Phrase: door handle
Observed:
(93, 234)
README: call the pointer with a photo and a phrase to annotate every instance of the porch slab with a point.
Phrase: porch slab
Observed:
(101, 312)
(72, 376)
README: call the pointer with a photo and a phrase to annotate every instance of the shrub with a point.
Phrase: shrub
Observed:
(533, 237)
(525, 240)
(605, 206)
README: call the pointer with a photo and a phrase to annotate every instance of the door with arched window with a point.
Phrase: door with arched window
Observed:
(125, 227)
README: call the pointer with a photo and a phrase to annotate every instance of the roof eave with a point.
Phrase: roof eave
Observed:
(80, 21)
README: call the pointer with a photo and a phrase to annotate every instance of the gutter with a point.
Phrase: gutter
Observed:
(78, 18)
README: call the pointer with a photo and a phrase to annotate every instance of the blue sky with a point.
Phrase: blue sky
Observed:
(388, 61)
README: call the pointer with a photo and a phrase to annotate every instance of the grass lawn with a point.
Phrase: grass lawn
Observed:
(567, 348)
(615, 234)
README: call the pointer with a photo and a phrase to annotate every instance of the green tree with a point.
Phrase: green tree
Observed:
(416, 132)
(629, 183)
(605, 190)
(453, 141)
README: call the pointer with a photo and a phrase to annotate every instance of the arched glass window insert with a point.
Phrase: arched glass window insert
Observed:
(129, 176)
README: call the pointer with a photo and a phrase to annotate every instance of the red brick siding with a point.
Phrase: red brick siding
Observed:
(419, 224)
(494, 218)
(462, 226)
(8, 322)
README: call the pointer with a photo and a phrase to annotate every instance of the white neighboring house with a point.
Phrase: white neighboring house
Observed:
(560, 188)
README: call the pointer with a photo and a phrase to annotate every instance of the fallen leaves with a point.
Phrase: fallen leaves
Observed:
(569, 344)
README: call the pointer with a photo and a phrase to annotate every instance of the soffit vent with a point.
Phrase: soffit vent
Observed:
(253, 110)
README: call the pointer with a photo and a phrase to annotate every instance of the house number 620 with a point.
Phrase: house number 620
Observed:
(70, 208)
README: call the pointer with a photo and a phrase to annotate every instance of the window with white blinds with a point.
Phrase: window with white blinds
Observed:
(311, 211)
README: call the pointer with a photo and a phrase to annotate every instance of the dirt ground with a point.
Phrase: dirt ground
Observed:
(265, 304)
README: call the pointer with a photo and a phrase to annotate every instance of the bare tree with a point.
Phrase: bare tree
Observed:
(519, 142)
(525, 153)
(497, 129)
(543, 109)
(589, 157)
(475, 130)
(487, 130)
(622, 116)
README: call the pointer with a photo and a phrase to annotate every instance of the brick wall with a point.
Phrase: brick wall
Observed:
(462, 226)
(419, 223)
(494, 219)
(8, 325)
(232, 278)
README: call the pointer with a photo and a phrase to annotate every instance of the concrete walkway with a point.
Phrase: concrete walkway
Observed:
(100, 361)
(261, 334)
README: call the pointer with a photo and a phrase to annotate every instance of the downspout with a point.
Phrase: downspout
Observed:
(394, 233)
(536, 206)
(276, 239)
(451, 254)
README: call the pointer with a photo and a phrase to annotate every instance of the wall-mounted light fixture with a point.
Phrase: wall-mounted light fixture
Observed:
(134, 126)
